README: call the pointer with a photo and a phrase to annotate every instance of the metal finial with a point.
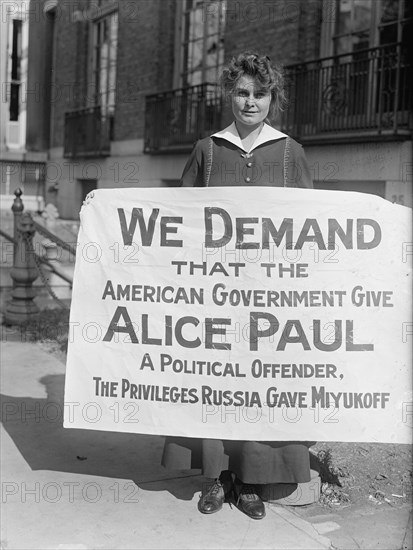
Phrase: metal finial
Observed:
(17, 205)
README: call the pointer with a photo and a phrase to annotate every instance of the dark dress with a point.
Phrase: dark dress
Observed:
(218, 161)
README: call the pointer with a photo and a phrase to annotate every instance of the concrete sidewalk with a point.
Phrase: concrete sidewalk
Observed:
(84, 489)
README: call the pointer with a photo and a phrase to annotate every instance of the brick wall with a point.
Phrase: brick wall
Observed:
(38, 78)
(145, 60)
(69, 89)
(309, 30)
(285, 30)
(288, 31)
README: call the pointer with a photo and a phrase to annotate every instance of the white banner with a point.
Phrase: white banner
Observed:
(242, 313)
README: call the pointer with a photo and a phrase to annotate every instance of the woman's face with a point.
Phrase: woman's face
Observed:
(250, 102)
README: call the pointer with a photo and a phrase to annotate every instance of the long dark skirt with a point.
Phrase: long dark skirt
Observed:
(253, 462)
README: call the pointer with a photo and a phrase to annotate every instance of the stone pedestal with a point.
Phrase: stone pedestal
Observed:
(22, 308)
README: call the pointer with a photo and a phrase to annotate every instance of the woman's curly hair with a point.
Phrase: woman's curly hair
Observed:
(270, 77)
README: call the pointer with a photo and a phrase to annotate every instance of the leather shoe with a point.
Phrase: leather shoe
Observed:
(213, 499)
(250, 503)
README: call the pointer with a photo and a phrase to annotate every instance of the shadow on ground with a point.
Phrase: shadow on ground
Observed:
(36, 428)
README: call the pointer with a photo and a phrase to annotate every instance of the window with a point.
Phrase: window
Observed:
(105, 40)
(202, 41)
(395, 24)
(354, 25)
(363, 81)
(16, 58)
(15, 27)
(104, 59)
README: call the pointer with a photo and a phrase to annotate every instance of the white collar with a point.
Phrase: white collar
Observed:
(268, 133)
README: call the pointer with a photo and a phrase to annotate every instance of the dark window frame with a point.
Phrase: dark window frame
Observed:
(105, 32)
(16, 61)
(196, 32)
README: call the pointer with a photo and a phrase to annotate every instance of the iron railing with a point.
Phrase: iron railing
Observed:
(174, 120)
(41, 260)
(368, 91)
(87, 133)
(54, 238)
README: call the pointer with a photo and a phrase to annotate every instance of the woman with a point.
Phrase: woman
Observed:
(248, 152)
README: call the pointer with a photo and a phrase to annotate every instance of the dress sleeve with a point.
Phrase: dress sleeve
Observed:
(193, 174)
(298, 171)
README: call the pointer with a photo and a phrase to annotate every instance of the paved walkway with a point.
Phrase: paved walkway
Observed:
(84, 489)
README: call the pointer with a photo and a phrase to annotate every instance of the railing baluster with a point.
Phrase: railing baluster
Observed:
(342, 93)
(190, 113)
(380, 93)
(396, 91)
(87, 133)
(355, 91)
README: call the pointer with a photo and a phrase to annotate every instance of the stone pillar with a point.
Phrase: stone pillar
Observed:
(21, 308)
